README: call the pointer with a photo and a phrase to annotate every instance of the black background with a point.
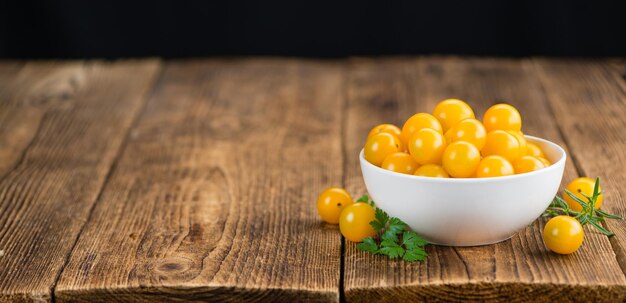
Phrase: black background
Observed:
(98, 29)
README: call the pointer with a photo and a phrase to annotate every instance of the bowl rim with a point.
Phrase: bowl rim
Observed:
(554, 166)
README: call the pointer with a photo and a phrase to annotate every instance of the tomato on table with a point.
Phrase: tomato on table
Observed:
(331, 202)
(563, 234)
(354, 222)
(578, 187)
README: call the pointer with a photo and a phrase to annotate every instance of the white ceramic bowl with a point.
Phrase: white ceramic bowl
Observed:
(467, 212)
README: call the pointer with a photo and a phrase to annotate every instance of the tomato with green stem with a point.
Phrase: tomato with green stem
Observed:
(588, 214)
(581, 187)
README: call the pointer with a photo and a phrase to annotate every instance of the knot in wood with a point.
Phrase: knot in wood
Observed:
(174, 265)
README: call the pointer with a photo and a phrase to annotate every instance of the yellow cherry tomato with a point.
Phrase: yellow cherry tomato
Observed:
(534, 150)
(527, 164)
(400, 163)
(523, 145)
(379, 146)
(448, 136)
(545, 161)
(417, 122)
(579, 186)
(563, 234)
(502, 117)
(387, 128)
(426, 146)
(460, 159)
(503, 144)
(468, 130)
(331, 202)
(354, 222)
(451, 111)
(494, 166)
(431, 170)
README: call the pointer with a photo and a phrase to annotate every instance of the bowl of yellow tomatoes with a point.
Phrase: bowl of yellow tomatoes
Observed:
(459, 181)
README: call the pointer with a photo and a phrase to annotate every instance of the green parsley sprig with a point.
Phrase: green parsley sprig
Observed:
(588, 214)
(393, 238)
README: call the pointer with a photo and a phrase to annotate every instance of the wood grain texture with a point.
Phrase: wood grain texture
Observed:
(208, 194)
(12, 133)
(61, 126)
(589, 99)
(212, 199)
(8, 71)
(517, 270)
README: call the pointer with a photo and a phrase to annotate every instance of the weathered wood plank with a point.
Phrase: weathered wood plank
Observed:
(520, 269)
(618, 66)
(212, 198)
(589, 99)
(13, 134)
(61, 126)
(8, 71)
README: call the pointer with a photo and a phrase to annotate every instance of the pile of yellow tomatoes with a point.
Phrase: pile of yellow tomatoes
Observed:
(453, 143)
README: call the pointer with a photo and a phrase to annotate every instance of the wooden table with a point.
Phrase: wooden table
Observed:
(196, 180)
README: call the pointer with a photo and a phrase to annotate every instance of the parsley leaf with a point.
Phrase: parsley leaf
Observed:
(396, 240)
(363, 198)
(415, 254)
(411, 240)
(389, 236)
(391, 249)
(396, 225)
(368, 244)
(381, 220)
